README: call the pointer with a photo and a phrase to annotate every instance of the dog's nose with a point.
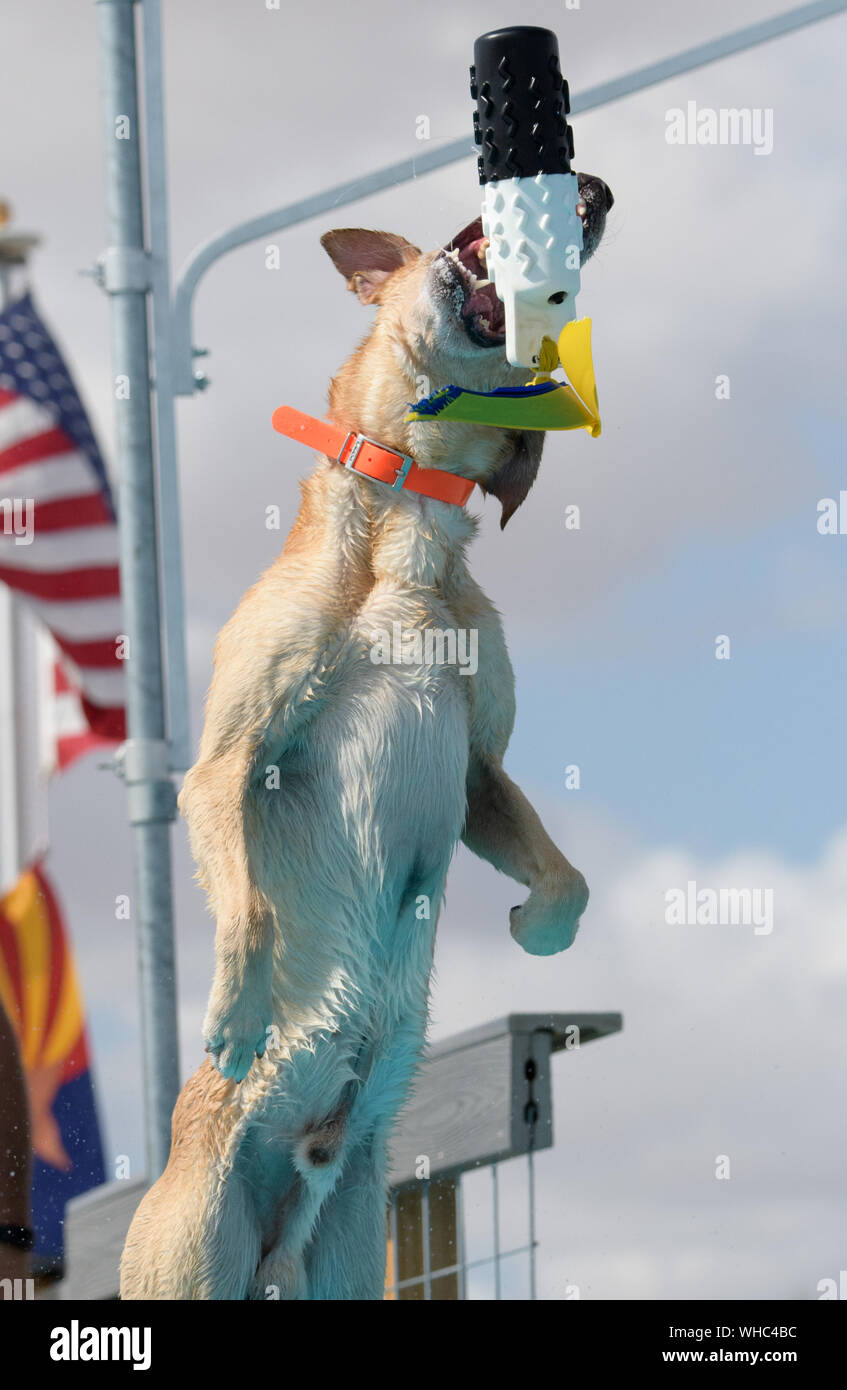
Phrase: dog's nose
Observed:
(595, 190)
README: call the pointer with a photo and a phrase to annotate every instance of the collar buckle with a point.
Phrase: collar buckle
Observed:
(402, 471)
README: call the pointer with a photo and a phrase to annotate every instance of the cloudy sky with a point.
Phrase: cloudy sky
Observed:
(698, 520)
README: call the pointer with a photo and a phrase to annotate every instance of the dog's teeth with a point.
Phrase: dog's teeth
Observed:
(481, 284)
(483, 247)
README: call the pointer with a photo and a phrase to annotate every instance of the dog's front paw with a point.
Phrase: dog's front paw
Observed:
(549, 919)
(235, 1035)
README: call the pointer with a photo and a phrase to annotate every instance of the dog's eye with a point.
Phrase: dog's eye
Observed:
(558, 298)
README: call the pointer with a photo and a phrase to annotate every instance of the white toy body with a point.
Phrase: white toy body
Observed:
(534, 252)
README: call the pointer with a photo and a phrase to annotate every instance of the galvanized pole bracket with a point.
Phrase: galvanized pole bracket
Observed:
(125, 268)
(144, 765)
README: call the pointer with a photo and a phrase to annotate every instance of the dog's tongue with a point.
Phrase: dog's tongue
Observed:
(484, 305)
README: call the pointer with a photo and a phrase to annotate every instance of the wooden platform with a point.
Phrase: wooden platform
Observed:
(480, 1097)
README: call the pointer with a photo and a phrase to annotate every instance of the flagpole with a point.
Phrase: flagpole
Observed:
(14, 249)
(10, 808)
(146, 762)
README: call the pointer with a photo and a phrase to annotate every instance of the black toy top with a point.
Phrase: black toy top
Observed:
(522, 101)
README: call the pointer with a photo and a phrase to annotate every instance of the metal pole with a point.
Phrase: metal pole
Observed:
(426, 1248)
(10, 810)
(173, 600)
(461, 1244)
(10, 802)
(152, 801)
(533, 1243)
(395, 1249)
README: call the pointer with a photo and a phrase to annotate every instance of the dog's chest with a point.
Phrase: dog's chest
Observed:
(415, 637)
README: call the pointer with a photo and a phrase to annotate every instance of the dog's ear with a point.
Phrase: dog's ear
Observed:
(515, 475)
(366, 259)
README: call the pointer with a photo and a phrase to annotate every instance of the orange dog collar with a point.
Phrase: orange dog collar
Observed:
(365, 455)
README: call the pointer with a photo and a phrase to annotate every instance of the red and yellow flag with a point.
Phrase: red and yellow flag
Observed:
(40, 991)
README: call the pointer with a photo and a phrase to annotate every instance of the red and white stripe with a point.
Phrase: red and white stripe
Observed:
(69, 571)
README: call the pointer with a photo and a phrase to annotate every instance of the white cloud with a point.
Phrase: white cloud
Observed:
(732, 1044)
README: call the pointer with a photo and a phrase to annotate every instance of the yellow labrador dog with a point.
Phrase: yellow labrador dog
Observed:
(330, 792)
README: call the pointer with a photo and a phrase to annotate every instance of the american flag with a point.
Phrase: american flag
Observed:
(58, 533)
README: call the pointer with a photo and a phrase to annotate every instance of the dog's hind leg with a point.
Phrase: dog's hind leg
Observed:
(345, 1258)
(318, 1159)
(198, 1239)
(196, 1233)
(281, 1273)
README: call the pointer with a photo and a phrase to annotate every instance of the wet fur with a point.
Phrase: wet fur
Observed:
(276, 1183)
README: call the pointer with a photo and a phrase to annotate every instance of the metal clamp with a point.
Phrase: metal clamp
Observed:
(143, 764)
(125, 268)
(402, 472)
(142, 760)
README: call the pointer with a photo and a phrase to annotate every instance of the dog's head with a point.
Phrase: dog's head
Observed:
(439, 321)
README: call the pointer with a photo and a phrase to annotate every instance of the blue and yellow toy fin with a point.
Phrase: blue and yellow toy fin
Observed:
(542, 404)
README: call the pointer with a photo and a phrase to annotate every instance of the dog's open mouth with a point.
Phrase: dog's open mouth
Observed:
(482, 313)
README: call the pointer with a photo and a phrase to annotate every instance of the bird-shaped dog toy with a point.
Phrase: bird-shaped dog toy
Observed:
(531, 219)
